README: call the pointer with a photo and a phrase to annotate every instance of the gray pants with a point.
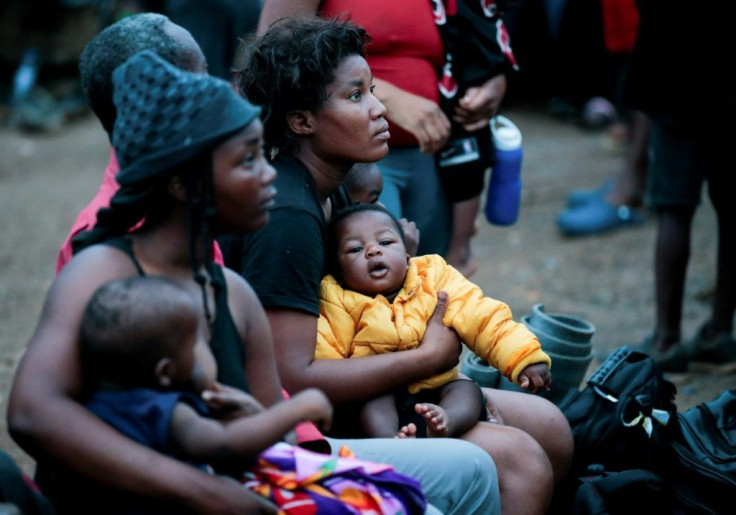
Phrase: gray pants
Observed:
(412, 189)
(457, 477)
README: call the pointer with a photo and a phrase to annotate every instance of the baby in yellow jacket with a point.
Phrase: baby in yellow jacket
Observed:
(379, 300)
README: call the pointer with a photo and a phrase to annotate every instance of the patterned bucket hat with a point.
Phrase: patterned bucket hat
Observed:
(166, 116)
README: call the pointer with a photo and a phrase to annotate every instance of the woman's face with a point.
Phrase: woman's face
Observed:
(350, 125)
(243, 181)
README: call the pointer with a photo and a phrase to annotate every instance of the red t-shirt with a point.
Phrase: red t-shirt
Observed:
(87, 217)
(406, 48)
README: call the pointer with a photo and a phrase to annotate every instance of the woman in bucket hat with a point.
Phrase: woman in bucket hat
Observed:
(191, 165)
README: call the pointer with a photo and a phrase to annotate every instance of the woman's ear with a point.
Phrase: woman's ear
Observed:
(177, 189)
(300, 122)
(163, 372)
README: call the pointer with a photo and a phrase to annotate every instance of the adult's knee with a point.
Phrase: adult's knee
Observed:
(522, 454)
(479, 484)
(556, 438)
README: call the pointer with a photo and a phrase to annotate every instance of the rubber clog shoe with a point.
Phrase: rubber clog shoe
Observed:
(720, 348)
(674, 359)
(581, 197)
(596, 217)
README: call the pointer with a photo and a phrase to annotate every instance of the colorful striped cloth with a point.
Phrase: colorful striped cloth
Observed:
(302, 482)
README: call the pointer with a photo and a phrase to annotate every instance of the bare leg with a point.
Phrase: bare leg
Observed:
(462, 403)
(379, 418)
(672, 254)
(459, 255)
(724, 300)
(629, 187)
(542, 420)
(525, 476)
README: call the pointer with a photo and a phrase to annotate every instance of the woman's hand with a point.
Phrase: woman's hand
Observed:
(479, 104)
(440, 342)
(421, 117)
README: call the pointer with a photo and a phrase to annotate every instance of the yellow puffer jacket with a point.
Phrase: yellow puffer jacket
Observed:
(354, 325)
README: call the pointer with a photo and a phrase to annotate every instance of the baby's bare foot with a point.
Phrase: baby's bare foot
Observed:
(407, 431)
(438, 423)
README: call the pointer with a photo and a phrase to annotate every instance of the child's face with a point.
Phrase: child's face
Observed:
(370, 253)
(369, 188)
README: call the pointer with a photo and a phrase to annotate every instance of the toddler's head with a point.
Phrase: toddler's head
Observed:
(146, 332)
(364, 182)
(367, 250)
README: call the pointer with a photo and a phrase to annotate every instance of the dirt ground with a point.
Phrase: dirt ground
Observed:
(607, 279)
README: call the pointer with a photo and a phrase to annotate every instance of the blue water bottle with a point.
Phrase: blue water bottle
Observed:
(503, 196)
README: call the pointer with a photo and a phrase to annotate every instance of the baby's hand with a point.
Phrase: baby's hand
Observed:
(316, 407)
(534, 377)
(411, 236)
(230, 403)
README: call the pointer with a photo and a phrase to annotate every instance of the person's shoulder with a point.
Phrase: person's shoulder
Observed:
(238, 287)
(96, 264)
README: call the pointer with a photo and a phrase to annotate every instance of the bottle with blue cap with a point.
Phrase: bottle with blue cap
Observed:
(503, 196)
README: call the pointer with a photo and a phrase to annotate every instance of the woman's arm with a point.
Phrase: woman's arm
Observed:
(251, 321)
(295, 336)
(273, 10)
(47, 421)
(480, 103)
(422, 117)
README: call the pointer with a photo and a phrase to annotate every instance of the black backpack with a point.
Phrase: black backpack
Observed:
(619, 420)
(702, 464)
(628, 492)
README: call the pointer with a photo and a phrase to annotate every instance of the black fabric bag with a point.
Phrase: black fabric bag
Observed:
(629, 492)
(619, 419)
(702, 466)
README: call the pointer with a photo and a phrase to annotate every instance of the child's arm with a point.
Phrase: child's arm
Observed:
(228, 403)
(335, 326)
(231, 442)
(535, 377)
(487, 326)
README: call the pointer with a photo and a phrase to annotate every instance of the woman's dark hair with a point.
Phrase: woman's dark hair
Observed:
(339, 218)
(290, 67)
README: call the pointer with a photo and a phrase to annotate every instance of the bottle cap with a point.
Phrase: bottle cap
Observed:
(506, 135)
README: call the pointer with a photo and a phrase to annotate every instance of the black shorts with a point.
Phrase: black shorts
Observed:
(463, 162)
(682, 159)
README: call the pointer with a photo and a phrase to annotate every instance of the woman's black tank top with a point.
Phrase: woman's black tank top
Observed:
(225, 340)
